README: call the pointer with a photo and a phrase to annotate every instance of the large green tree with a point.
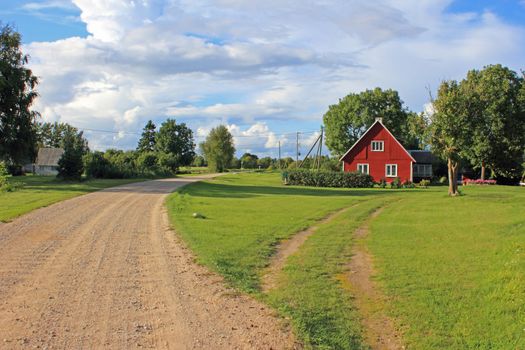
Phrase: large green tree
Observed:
(218, 149)
(346, 121)
(55, 134)
(264, 163)
(147, 140)
(451, 129)
(17, 93)
(249, 161)
(496, 108)
(71, 165)
(177, 141)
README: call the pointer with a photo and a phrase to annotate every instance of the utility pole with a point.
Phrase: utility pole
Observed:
(297, 151)
(320, 148)
(310, 151)
(279, 155)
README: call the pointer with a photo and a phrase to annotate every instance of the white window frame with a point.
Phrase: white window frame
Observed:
(390, 167)
(363, 165)
(379, 146)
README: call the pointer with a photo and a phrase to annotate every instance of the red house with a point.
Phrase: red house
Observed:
(379, 154)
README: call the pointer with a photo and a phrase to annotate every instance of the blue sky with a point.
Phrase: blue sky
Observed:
(513, 11)
(264, 68)
(43, 20)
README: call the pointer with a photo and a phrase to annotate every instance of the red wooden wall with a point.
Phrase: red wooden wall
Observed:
(393, 153)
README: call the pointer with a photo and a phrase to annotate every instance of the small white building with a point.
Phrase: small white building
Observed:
(47, 161)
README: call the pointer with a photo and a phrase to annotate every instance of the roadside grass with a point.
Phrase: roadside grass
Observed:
(455, 267)
(309, 290)
(247, 215)
(41, 191)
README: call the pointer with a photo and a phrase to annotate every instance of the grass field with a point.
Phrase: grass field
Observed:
(41, 191)
(309, 293)
(454, 268)
(246, 216)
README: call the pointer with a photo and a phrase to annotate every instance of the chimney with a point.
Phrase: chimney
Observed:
(379, 119)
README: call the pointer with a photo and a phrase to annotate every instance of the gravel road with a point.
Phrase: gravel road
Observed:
(104, 271)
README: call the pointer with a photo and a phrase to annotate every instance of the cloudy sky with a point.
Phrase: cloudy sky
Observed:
(266, 68)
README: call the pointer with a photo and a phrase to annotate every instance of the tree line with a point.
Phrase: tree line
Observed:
(159, 153)
(478, 122)
(481, 120)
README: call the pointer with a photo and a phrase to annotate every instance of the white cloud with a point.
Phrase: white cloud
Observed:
(250, 64)
(256, 138)
(51, 4)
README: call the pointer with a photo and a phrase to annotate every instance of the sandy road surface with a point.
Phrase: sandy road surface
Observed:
(104, 271)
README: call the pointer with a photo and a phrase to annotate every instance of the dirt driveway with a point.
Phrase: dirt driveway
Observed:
(104, 271)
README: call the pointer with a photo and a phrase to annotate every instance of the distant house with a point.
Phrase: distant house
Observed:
(47, 161)
(379, 154)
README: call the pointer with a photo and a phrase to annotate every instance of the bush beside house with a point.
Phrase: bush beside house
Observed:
(327, 179)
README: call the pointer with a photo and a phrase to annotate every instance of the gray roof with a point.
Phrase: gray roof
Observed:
(49, 156)
(423, 157)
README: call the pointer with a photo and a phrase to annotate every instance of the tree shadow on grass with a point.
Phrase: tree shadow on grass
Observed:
(240, 191)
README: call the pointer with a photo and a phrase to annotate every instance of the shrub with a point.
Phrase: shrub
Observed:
(331, 164)
(382, 183)
(467, 181)
(70, 165)
(199, 161)
(443, 180)
(110, 165)
(168, 162)
(122, 164)
(96, 165)
(327, 179)
(408, 184)
(116, 164)
(148, 163)
(4, 175)
(396, 183)
(5, 185)
(424, 183)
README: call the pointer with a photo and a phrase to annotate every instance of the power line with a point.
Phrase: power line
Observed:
(241, 145)
(111, 131)
(238, 136)
(268, 134)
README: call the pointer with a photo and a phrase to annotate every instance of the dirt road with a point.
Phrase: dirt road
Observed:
(103, 271)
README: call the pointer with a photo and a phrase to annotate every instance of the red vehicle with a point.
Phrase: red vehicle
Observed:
(379, 154)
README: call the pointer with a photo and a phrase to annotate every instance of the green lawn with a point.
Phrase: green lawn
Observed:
(41, 191)
(246, 216)
(310, 292)
(454, 268)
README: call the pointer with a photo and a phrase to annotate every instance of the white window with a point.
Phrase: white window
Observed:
(378, 146)
(362, 168)
(391, 170)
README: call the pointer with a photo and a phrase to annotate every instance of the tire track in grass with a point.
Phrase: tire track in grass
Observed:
(379, 330)
(312, 288)
(289, 247)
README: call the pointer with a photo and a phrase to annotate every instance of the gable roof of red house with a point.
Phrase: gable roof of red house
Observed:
(378, 124)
